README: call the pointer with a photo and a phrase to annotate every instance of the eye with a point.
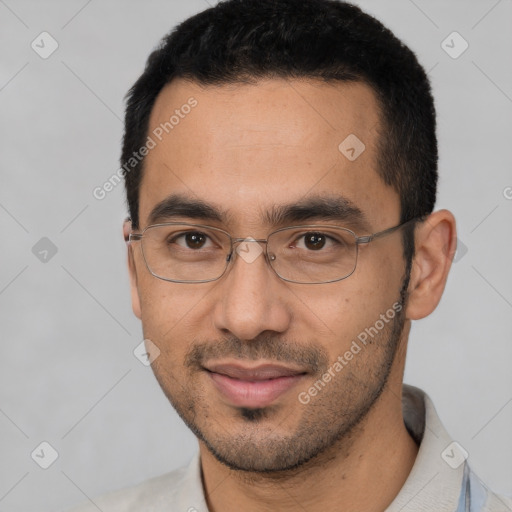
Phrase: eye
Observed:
(191, 240)
(315, 241)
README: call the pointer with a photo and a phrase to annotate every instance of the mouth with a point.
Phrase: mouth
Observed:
(253, 386)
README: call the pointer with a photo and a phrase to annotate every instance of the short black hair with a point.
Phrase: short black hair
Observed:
(245, 40)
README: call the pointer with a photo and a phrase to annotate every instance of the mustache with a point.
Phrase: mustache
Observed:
(309, 356)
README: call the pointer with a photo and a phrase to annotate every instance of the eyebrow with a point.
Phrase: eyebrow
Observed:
(177, 205)
(319, 208)
(325, 208)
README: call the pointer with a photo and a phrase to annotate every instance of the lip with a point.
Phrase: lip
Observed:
(253, 386)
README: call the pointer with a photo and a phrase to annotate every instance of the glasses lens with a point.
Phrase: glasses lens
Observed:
(181, 252)
(313, 255)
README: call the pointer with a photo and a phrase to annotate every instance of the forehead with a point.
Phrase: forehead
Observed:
(243, 147)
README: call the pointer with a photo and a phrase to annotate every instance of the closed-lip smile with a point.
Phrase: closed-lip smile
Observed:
(253, 386)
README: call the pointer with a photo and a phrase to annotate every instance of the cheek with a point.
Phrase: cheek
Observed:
(340, 311)
(380, 268)
(160, 306)
(165, 315)
(171, 311)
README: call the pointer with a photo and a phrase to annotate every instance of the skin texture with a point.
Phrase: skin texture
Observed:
(245, 148)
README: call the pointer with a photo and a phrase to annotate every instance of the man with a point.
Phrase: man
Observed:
(280, 160)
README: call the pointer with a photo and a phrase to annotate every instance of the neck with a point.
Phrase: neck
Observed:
(363, 471)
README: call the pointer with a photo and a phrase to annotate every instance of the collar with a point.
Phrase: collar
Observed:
(437, 474)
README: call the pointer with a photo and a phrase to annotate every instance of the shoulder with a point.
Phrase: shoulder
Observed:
(147, 495)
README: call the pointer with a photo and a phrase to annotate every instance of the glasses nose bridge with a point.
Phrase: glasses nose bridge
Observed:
(236, 240)
(248, 239)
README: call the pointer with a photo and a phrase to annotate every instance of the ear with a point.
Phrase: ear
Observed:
(127, 228)
(436, 243)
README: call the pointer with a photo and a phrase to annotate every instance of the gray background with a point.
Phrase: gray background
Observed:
(67, 372)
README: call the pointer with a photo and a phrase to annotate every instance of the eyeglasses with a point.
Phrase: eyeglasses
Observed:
(309, 254)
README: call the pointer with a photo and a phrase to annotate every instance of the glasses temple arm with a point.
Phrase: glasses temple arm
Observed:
(368, 238)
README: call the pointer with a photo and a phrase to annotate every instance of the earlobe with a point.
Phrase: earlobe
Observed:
(435, 241)
(132, 270)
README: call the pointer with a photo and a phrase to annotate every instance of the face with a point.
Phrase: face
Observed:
(246, 359)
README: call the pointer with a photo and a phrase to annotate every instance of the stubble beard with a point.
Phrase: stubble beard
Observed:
(328, 423)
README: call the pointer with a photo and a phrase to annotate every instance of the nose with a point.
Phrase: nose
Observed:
(251, 299)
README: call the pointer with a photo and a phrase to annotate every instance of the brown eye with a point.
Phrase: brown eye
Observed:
(195, 240)
(314, 241)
